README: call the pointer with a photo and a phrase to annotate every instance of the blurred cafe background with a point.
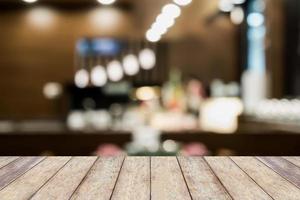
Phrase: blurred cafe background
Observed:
(149, 77)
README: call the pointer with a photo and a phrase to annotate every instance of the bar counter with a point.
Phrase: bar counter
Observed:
(149, 178)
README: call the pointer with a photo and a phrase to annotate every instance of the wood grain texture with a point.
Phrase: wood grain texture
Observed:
(283, 167)
(167, 181)
(6, 160)
(201, 181)
(143, 178)
(237, 183)
(294, 160)
(64, 183)
(270, 181)
(134, 180)
(101, 180)
(16, 168)
(30, 182)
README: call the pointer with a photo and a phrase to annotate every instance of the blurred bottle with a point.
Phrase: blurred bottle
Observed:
(173, 94)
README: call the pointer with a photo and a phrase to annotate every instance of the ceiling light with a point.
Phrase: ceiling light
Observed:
(255, 19)
(52, 90)
(152, 36)
(171, 10)
(225, 5)
(147, 59)
(114, 71)
(30, 1)
(106, 2)
(82, 78)
(238, 1)
(130, 65)
(182, 2)
(165, 21)
(98, 76)
(158, 28)
(237, 15)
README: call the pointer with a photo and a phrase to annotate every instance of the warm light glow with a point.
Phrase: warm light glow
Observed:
(152, 36)
(239, 1)
(255, 19)
(147, 59)
(146, 93)
(159, 27)
(225, 5)
(237, 15)
(220, 114)
(171, 10)
(106, 19)
(182, 2)
(106, 2)
(42, 18)
(52, 90)
(164, 21)
(82, 78)
(30, 1)
(131, 65)
(114, 71)
(98, 76)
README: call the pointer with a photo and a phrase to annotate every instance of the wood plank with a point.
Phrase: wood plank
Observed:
(167, 181)
(64, 183)
(201, 181)
(6, 160)
(270, 181)
(25, 186)
(293, 159)
(16, 168)
(101, 180)
(134, 179)
(237, 183)
(283, 167)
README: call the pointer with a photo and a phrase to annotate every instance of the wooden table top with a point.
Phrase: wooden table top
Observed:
(149, 178)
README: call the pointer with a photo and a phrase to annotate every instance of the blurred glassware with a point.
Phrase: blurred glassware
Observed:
(99, 120)
(76, 121)
(195, 94)
(220, 89)
(173, 93)
(280, 110)
(145, 139)
(116, 112)
(133, 118)
(90, 120)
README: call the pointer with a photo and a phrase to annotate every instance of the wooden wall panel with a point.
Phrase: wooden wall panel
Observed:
(37, 46)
